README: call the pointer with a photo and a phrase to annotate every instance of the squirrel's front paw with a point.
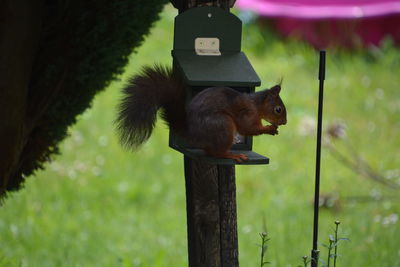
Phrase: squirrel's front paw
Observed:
(272, 129)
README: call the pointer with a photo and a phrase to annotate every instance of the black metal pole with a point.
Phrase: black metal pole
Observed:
(321, 77)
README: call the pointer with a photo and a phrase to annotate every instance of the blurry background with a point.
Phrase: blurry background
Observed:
(98, 205)
(322, 23)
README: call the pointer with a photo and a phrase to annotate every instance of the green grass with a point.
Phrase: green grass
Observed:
(98, 205)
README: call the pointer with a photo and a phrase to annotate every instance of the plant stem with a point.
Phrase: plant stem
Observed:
(262, 253)
(305, 261)
(263, 247)
(329, 252)
(336, 242)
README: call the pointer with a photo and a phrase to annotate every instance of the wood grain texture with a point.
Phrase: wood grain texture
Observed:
(228, 217)
(211, 214)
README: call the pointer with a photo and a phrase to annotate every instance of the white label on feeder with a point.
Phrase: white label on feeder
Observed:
(207, 46)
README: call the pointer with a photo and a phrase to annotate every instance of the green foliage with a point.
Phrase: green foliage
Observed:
(333, 246)
(85, 45)
(305, 260)
(263, 248)
(332, 249)
(98, 205)
(4, 261)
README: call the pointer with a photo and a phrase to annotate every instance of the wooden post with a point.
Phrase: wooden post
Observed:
(210, 197)
(211, 214)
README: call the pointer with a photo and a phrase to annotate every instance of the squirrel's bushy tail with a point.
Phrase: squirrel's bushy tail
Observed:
(154, 88)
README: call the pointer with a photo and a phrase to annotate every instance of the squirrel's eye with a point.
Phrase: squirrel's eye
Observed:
(278, 109)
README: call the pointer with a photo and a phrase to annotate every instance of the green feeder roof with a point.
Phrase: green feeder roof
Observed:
(227, 66)
(228, 69)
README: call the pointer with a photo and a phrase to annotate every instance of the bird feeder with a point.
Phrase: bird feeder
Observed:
(207, 53)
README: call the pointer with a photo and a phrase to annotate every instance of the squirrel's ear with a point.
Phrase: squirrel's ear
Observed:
(275, 90)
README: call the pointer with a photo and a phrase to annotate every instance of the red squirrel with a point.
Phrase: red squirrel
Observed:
(210, 120)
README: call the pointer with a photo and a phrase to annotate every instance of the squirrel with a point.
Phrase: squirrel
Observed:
(210, 120)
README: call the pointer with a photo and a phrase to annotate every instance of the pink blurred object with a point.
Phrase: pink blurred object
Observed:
(323, 23)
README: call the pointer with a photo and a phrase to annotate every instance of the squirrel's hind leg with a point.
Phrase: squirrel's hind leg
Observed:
(215, 134)
(221, 148)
